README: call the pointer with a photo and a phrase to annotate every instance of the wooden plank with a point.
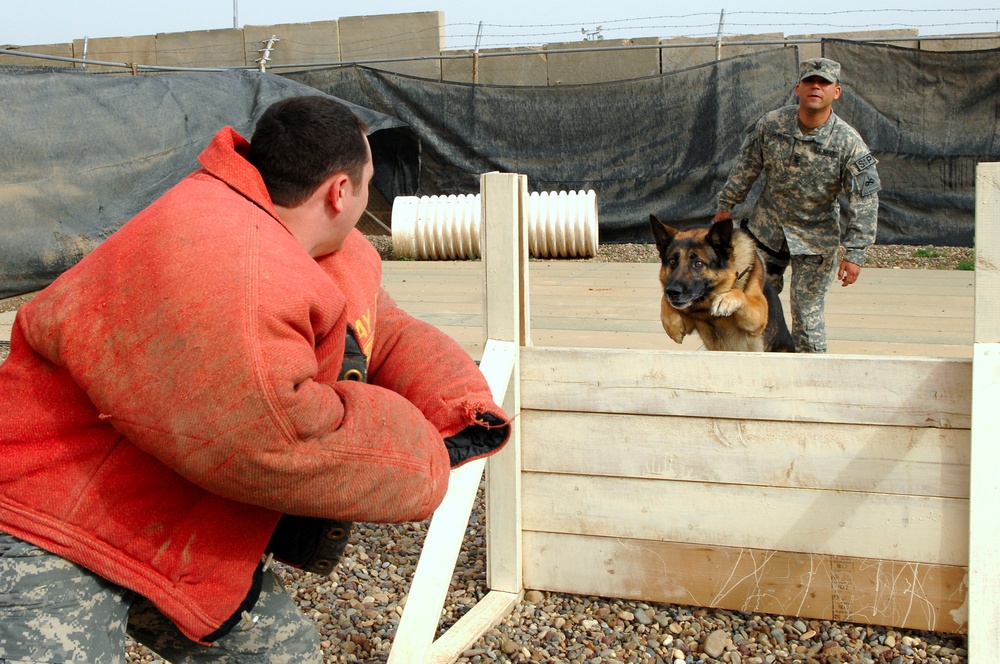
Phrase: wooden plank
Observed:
(890, 349)
(771, 386)
(436, 565)
(984, 527)
(987, 253)
(500, 200)
(503, 222)
(848, 457)
(484, 616)
(984, 532)
(881, 592)
(523, 253)
(840, 523)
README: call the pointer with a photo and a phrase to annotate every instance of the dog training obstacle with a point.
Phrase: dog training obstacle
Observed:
(842, 487)
(560, 224)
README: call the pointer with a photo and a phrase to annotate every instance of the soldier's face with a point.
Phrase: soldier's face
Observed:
(816, 93)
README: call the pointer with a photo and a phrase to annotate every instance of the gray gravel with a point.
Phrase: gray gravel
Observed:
(357, 609)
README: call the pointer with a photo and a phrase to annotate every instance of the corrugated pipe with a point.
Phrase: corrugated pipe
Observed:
(561, 224)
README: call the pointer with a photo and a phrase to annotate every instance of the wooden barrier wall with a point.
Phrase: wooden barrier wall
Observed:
(829, 487)
(852, 488)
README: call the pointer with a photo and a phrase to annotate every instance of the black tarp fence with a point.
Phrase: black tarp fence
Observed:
(665, 144)
(657, 145)
(81, 154)
(929, 117)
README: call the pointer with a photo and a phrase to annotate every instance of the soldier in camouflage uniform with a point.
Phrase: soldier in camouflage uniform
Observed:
(34, 628)
(810, 157)
(221, 383)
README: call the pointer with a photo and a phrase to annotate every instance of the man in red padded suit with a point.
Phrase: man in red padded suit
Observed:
(179, 406)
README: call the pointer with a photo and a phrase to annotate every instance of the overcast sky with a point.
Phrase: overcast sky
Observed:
(505, 22)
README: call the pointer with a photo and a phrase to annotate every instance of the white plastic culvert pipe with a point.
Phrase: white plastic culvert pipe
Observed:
(561, 224)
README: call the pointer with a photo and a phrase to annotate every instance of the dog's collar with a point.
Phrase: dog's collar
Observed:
(742, 274)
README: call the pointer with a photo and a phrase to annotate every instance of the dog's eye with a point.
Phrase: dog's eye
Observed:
(699, 264)
(672, 262)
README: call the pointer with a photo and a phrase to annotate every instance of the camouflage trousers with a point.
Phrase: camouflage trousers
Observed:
(52, 610)
(811, 277)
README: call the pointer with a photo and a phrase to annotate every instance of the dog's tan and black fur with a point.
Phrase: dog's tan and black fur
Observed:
(714, 283)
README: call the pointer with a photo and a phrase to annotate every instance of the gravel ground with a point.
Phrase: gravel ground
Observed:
(357, 607)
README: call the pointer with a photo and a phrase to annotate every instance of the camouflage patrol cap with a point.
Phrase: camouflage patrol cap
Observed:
(828, 70)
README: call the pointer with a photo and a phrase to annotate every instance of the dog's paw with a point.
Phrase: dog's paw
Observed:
(673, 322)
(674, 327)
(676, 335)
(727, 303)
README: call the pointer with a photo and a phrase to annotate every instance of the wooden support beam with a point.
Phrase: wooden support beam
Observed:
(505, 309)
(891, 391)
(505, 289)
(984, 488)
(436, 566)
(807, 585)
(484, 616)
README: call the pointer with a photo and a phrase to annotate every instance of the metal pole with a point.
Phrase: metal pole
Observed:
(475, 55)
(718, 36)
(236, 13)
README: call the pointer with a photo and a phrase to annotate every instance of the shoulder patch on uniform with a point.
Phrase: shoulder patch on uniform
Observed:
(867, 161)
(868, 183)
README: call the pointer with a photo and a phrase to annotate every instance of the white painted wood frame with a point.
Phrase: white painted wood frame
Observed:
(503, 196)
(984, 522)
(881, 473)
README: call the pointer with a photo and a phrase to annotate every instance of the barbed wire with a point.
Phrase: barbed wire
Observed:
(695, 25)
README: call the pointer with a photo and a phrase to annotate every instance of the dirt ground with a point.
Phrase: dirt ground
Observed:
(882, 256)
(901, 256)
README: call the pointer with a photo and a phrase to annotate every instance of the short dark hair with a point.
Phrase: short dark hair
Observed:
(301, 141)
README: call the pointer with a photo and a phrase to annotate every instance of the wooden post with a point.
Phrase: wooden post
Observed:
(504, 253)
(505, 308)
(984, 486)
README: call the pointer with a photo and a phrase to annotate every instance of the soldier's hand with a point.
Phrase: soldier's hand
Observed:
(848, 272)
(721, 216)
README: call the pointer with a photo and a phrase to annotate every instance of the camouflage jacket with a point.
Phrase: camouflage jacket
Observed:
(805, 175)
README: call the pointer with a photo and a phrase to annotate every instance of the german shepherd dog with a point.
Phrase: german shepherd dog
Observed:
(714, 283)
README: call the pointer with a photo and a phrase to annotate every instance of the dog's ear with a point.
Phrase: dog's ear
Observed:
(662, 233)
(720, 235)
